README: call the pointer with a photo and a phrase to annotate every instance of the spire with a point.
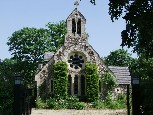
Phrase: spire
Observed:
(76, 4)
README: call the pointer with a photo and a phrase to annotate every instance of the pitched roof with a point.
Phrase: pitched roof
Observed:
(122, 74)
(73, 13)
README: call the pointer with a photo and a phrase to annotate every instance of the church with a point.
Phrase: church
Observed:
(76, 51)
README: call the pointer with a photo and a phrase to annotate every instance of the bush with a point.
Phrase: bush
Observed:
(51, 103)
(41, 104)
(119, 103)
(98, 104)
(108, 82)
(71, 101)
(54, 103)
(79, 105)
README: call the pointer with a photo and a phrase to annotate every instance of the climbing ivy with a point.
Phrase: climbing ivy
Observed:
(60, 79)
(92, 82)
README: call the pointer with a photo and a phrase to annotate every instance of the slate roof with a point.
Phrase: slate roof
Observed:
(122, 74)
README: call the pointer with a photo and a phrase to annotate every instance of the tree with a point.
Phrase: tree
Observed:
(138, 15)
(118, 57)
(7, 67)
(142, 67)
(28, 46)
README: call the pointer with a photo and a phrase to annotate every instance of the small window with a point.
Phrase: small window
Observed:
(79, 27)
(76, 85)
(73, 26)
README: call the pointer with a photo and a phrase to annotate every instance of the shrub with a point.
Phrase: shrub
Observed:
(71, 101)
(79, 105)
(54, 103)
(51, 103)
(41, 103)
(108, 82)
(118, 103)
(98, 104)
(92, 82)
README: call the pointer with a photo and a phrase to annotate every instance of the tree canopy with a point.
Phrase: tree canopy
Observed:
(7, 68)
(118, 57)
(28, 46)
(138, 15)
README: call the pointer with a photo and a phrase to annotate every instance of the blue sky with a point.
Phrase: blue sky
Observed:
(104, 35)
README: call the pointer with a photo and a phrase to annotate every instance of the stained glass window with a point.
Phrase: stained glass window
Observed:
(76, 61)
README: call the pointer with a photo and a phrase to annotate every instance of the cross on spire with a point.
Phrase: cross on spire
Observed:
(76, 4)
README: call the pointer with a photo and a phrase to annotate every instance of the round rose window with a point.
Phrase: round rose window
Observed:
(76, 61)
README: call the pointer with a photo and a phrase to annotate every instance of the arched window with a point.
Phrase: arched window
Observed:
(79, 27)
(73, 26)
(82, 85)
(76, 85)
(69, 84)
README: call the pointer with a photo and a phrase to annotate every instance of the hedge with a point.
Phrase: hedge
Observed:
(60, 79)
(92, 82)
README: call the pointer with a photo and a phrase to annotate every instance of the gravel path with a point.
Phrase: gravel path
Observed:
(77, 112)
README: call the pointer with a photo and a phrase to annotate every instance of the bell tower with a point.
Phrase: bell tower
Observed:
(76, 22)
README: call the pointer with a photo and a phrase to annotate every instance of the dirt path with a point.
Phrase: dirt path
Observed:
(78, 112)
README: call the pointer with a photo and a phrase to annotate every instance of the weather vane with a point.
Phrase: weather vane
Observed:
(76, 4)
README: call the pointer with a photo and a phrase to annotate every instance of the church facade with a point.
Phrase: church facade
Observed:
(76, 51)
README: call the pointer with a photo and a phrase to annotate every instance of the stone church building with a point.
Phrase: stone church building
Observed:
(76, 51)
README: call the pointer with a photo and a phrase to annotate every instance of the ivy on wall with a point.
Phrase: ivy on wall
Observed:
(60, 79)
(92, 82)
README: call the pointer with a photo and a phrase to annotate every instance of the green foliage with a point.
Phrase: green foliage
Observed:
(118, 103)
(41, 104)
(56, 34)
(7, 68)
(109, 103)
(71, 100)
(54, 103)
(142, 67)
(79, 105)
(118, 57)
(92, 82)
(98, 104)
(138, 16)
(28, 46)
(60, 79)
(68, 103)
(108, 83)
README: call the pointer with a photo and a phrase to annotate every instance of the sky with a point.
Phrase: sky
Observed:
(104, 35)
